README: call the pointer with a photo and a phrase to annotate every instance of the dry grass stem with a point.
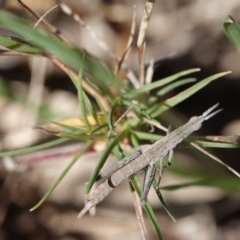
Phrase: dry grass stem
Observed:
(141, 57)
(155, 124)
(4, 52)
(130, 41)
(122, 116)
(141, 43)
(216, 159)
(130, 74)
(44, 22)
(225, 139)
(144, 23)
(44, 15)
(139, 213)
(149, 72)
(94, 36)
(54, 30)
(87, 87)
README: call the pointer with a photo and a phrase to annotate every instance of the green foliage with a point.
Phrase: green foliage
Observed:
(232, 31)
(143, 102)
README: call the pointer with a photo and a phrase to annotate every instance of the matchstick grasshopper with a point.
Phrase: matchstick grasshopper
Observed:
(142, 157)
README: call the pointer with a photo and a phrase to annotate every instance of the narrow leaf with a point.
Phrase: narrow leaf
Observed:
(103, 159)
(34, 148)
(147, 136)
(55, 47)
(156, 187)
(135, 92)
(90, 108)
(216, 144)
(147, 208)
(66, 170)
(174, 85)
(14, 45)
(228, 184)
(81, 99)
(160, 108)
(116, 104)
(232, 31)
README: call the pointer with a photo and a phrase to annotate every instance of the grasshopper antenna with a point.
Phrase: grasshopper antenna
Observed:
(207, 114)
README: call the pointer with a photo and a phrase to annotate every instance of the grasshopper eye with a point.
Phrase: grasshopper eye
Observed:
(193, 118)
(196, 122)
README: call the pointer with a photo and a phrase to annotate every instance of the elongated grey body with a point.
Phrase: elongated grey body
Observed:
(149, 155)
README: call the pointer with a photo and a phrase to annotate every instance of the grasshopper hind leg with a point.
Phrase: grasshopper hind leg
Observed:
(149, 175)
(169, 162)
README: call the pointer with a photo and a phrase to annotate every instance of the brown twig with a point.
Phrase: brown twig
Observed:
(122, 116)
(44, 15)
(4, 52)
(63, 68)
(130, 74)
(130, 41)
(139, 213)
(44, 22)
(216, 159)
(85, 84)
(56, 62)
(235, 139)
(141, 42)
(149, 72)
(141, 57)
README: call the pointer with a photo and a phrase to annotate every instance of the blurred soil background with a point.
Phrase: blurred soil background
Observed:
(182, 35)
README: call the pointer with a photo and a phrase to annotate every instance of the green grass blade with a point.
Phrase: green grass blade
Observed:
(104, 90)
(135, 92)
(173, 187)
(55, 47)
(103, 159)
(160, 108)
(147, 136)
(82, 136)
(232, 31)
(70, 74)
(98, 128)
(119, 153)
(174, 85)
(68, 127)
(228, 184)
(102, 109)
(14, 45)
(62, 175)
(155, 185)
(147, 208)
(159, 194)
(81, 99)
(120, 102)
(134, 139)
(116, 104)
(34, 148)
(136, 107)
(209, 144)
(90, 108)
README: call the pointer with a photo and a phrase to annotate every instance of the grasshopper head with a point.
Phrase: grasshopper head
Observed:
(196, 122)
